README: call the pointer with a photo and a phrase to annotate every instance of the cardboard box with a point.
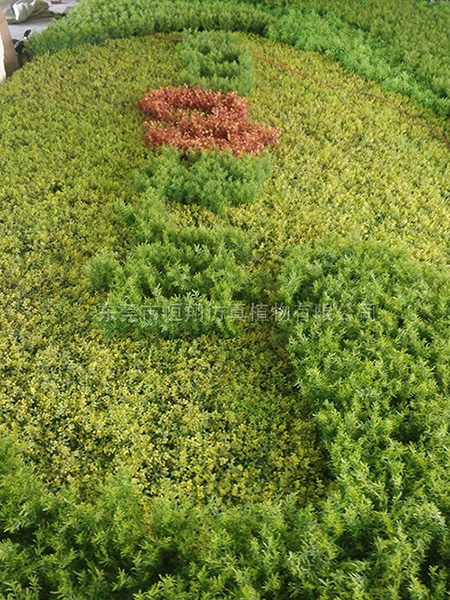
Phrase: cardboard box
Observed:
(11, 62)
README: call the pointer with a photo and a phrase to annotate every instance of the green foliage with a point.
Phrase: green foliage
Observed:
(384, 311)
(102, 270)
(176, 279)
(387, 41)
(96, 21)
(213, 61)
(405, 28)
(213, 180)
(360, 52)
(180, 279)
(59, 545)
(378, 380)
(115, 547)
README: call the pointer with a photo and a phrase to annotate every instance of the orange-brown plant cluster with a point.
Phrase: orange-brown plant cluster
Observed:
(194, 118)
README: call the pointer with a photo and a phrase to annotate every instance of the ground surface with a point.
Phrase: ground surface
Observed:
(38, 25)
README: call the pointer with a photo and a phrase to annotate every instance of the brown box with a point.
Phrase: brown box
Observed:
(11, 61)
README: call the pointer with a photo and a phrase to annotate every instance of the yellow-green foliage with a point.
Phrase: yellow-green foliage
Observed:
(183, 415)
(347, 164)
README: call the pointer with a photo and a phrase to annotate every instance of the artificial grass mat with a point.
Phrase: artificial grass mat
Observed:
(346, 165)
(208, 418)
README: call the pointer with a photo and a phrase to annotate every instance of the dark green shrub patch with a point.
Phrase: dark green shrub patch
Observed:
(214, 61)
(102, 271)
(213, 180)
(190, 285)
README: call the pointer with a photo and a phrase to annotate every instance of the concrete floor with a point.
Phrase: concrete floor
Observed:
(40, 24)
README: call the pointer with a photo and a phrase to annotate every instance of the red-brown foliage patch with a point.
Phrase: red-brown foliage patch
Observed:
(194, 118)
